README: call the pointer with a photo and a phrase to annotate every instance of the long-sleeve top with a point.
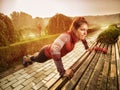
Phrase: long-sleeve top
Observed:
(60, 47)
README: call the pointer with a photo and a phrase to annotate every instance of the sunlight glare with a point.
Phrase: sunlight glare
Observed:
(104, 27)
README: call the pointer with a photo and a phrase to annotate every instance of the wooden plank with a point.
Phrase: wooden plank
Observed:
(112, 84)
(118, 44)
(103, 77)
(92, 84)
(118, 60)
(76, 65)
(85, 78)
(61, 81)
(78, 74)
(118, 64)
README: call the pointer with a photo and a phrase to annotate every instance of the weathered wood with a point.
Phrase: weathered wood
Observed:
(103, 77)
(94, 71)
(76, 65)
(112, 84)
(92, 84)
(118, 65)
(85, 78)
(118, 43)
(118, 60)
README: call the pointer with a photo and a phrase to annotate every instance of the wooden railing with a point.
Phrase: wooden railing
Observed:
(94, 71)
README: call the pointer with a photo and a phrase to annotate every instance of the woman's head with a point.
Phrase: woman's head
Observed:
(79, 26)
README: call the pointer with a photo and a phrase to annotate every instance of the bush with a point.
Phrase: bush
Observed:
(110, 35)
(9, 55)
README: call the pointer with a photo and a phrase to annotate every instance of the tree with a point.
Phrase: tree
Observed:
(58, 24)
(7, 32)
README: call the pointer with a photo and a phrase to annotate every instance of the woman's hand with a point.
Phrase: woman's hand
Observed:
(69, 73)
(89, 49)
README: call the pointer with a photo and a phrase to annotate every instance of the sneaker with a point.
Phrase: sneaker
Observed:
(26, 61)
(25, 64)
(30, 62)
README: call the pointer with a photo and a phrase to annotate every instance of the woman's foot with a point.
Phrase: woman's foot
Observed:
(26, 61)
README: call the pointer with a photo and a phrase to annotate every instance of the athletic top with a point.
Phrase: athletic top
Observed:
(60, 47)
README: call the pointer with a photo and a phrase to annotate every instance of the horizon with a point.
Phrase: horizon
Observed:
(69, 7)
(67, 15)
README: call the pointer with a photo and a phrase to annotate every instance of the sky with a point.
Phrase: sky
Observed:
(48, 8)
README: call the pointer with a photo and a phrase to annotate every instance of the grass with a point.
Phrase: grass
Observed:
(110, 35)
(27, 41)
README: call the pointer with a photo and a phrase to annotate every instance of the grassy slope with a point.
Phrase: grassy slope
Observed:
(110, 35)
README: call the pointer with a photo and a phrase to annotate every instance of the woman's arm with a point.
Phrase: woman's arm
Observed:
(85, 44)
(56, 52)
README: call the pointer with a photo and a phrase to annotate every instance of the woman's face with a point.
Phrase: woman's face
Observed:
(82, 31)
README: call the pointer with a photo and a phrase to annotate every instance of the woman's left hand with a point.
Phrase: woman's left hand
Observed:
(89, 49)
(69, 73)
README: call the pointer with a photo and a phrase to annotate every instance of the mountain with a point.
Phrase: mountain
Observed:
(103, 19)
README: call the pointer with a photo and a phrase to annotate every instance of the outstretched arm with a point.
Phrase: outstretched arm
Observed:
(85, 44)
(56, 52)
(56, 55)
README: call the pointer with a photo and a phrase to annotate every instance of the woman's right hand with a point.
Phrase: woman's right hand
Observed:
(69, 73)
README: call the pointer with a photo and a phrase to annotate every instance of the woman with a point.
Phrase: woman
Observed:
(61, 46)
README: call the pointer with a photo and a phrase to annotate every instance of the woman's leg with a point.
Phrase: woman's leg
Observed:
(37, 57)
